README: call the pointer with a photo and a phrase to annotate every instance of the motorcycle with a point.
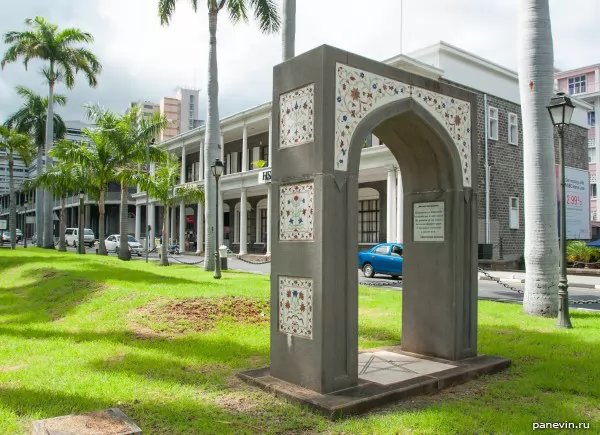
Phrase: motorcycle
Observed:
(173, 249)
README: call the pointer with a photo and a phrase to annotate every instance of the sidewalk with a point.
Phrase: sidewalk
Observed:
(592, 282)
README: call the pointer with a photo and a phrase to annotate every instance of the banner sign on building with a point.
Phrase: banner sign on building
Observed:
(577, 193)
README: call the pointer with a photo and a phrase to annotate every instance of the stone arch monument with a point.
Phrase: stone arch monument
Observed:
(325, 102)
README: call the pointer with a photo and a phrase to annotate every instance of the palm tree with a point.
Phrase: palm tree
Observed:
(536, 83)
(31, 119)
(15, 144)
(62, 180)
(65, 59)
(160, 187)
(267, 15)
(289, 29)
(127, 138)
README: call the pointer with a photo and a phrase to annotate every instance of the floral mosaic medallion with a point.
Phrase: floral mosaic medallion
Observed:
(296, 116)
(296, 212)
(360, 92)
(295, 306)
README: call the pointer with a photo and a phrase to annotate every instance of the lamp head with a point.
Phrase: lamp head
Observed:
(561, 109)
(217, 168)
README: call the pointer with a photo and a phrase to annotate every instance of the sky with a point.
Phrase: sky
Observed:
(143, 60)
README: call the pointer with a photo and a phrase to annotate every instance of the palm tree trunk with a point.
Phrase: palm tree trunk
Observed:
(212, 142)
(289, 29)
(124, 253)
(536, 83)
(48, 196)
(39, 200)
(13, 206)
(164, 259)
(101, 229)
(62, 246)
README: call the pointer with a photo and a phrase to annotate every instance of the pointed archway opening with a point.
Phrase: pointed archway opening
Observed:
(325, 103)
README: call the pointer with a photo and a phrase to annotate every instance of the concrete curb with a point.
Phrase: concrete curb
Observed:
(521, 281)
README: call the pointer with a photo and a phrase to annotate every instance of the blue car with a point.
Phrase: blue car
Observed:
(385, 259)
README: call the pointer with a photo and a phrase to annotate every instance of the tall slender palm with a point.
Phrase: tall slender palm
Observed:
(15, 144)
(160, 187)
(65, 58)
(31, 119)
(62, 180)
(289, 29)
(536, 83)
(128, 137)
(267, 15)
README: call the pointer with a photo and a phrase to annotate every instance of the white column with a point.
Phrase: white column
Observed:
(222, 148)
(200, 229)
(138, 221)
(255, 154)
(173, 215)
(245, 149)
(391, 204)
(182, 226)
(201, 161)
(236, 227)
(399, 208)
(269, 208)
(183, 165)
(151, 222)
(244, 223)
(221, 218)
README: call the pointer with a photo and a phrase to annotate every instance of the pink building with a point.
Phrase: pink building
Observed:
(584, 83)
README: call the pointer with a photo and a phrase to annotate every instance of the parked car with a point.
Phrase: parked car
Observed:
(385, 259)
(113, 241)
(5, 235)
(72, 237)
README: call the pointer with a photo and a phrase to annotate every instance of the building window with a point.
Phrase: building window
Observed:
(191, 99)
(368, 221)
(263, 225)
(593, 191)
(577, 85)
(493, 123)
(513, 213)
(592, 118)
(513, 129)
(591, 155)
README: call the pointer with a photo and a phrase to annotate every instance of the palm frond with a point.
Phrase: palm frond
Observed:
(166, 8)
(266, 13)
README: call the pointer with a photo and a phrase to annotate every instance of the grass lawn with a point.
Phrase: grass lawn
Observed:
(82, 333)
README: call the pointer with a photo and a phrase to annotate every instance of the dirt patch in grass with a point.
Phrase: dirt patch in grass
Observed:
(93, 423)
(10, 368)
(197, 314)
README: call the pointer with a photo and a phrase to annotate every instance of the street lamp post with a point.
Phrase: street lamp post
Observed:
(80, 244)
(561, 110)
(217, 170)
(147, 200)
(25, 204)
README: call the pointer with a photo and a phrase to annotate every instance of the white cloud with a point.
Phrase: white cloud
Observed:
(144, 60)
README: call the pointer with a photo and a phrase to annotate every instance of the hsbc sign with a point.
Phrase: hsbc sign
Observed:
(264, 177)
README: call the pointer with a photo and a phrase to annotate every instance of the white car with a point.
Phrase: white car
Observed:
(113, 241)
(72, 237)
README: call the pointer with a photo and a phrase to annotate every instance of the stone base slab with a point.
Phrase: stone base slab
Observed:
(109, 421)
(368, 395)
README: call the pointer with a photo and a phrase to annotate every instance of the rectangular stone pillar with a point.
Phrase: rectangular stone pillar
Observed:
(88, 216)
(183, 167)
(244, 222)
(172, 230)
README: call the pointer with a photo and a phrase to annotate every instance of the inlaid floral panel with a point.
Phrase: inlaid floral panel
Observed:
(360, 92)
(296, 212)
(296, 306)
(297, 116)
